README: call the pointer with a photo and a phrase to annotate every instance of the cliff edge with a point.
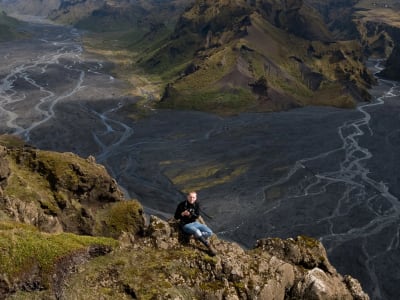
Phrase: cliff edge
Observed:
(67, 232)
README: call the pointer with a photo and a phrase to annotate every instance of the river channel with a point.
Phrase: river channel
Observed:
(324, 172)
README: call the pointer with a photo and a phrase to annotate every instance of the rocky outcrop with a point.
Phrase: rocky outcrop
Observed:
(274, 269)
(62, 192)
(50, 255)
(392, 65)
(381, 39)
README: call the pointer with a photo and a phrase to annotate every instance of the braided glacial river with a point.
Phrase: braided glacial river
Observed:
(329, 173)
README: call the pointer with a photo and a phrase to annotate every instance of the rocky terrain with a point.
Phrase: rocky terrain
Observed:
(66, 232)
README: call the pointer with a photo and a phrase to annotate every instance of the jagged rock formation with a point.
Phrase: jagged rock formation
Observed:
(274, 269)
(383, 41)
(52, 205)
(338, 15)
(379, 30)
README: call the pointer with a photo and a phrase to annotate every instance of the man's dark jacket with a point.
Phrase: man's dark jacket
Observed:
(194, 210)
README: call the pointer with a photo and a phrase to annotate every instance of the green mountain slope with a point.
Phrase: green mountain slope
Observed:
(230, 56)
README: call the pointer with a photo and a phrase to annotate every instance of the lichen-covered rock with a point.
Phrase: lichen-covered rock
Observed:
(303, 251)
(59, 192)
(274, 269)
(315, 278)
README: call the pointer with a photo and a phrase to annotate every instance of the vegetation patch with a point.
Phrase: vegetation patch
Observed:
(11, 141)
(145, 273)
(124, 216)
(222, 102)
(25, 250)
(206, 176)
(28, 186)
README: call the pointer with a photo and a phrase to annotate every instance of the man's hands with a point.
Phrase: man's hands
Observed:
(185, 213)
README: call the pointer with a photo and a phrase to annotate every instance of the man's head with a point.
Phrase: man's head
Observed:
(191, 197)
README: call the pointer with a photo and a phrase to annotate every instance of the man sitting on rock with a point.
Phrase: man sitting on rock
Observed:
(187, 213)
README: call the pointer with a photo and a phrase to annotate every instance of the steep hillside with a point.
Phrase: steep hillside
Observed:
(375, 24)
(230, 56)
(110, 15)
(338, 15)
(379, 27)
(66, 232)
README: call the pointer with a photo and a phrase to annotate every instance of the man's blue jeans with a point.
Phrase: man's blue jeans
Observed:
(197, 229)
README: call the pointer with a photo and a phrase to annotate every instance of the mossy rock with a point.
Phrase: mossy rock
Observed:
(30, 258)
(124, 216)
(60, 188)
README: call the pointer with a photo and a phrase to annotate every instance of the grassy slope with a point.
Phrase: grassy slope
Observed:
(25, 249)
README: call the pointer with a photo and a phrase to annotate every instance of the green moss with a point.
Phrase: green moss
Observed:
(61, 166)
(224, 102)
(240, 286)
(26, 185)
(308, 241)
(11, 141)
(124, 216)
(215, 285)
(148, 272)
(24, 248)
(205, 176)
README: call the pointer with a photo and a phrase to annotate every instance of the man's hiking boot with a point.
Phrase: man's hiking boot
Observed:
(211, 250)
